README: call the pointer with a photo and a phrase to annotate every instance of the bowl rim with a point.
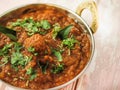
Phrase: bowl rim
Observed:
(76, 15)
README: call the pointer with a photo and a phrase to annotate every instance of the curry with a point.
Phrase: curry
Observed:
(50, 50)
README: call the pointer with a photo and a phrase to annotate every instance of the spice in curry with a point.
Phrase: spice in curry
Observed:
(50, 50)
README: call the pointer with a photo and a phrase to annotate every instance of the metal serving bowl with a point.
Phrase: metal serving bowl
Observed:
(76, 16)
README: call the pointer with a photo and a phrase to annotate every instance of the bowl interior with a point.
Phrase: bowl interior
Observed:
(16, 12)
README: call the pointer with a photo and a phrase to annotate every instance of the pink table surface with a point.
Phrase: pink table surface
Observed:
(104, 70)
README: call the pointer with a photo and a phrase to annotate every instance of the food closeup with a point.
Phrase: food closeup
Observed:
(49, 49)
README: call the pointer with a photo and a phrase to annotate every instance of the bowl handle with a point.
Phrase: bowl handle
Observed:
(90, 5)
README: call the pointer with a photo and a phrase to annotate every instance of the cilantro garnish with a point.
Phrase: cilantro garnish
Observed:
(4, 60)
(32, 73)
(32, 26)
(5, 49)
(57, 68)
(69, 42)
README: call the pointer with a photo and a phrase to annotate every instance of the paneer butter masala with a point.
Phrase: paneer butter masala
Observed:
(50, 50)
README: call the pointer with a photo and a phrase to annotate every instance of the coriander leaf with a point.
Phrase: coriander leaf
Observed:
(17, 59)
(45, 24)
(57, 69)
(17, 23)
(17, 46)
(69, 42)
(32, 26)
(28, 23)
(7, 46)
(5, 49)
(31, 49)
(58, 55)
(32, 73)
(42, 32)
(33, 76)
(25, 61)
(4, 60)
(63, 34)
(56, 29)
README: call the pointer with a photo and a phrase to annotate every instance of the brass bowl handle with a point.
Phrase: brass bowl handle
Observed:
(90, 5)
